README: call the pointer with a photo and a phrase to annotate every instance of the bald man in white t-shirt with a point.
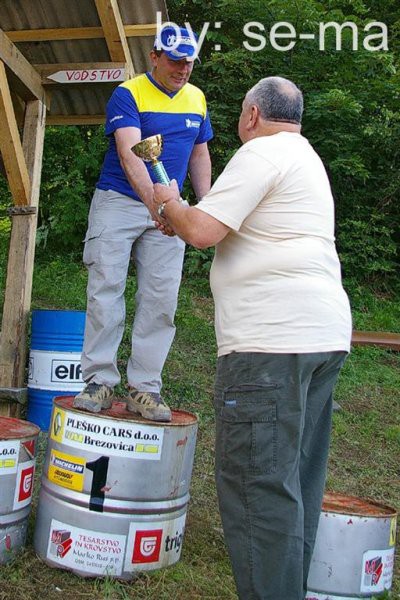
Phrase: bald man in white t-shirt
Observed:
(283, 328)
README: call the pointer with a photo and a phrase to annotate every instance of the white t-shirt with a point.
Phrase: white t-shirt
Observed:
(276, 277)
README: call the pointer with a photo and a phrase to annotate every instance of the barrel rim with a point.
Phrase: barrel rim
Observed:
(65, 403)
(328, 505)
(31, 430)
(56, 310)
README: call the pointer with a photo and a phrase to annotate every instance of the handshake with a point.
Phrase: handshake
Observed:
(164, 194)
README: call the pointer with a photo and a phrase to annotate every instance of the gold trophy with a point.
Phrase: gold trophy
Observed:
(149, 150)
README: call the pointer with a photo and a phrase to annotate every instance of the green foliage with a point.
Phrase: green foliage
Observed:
(351, 116)
(71, 165)
(367, 246)
(198, 262)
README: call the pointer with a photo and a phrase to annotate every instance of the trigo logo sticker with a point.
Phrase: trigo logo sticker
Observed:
(147, 546)
(24, 487)
(93, 552)
(9, 454)
(377, 571)
(66, 470)
(154, 545)
(128, 440)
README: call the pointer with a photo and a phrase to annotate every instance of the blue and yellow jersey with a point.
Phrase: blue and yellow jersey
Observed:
(181, 117)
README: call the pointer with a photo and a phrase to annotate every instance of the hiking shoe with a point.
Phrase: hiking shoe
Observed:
(149, 404)
(94, 397)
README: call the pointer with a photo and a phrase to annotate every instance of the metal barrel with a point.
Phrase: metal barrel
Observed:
(18, 446)
(54, 360)
(115, 489)
(354, 550)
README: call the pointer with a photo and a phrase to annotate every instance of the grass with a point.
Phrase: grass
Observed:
(364, 458)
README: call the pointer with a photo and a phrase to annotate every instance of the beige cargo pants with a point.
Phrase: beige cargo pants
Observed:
(120, 227)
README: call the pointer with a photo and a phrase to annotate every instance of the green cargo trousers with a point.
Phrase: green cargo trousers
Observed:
(273, 422)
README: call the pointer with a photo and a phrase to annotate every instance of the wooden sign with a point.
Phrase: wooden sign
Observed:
(88, 76)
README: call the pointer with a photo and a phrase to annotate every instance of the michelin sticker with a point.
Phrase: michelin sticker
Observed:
(66, 470)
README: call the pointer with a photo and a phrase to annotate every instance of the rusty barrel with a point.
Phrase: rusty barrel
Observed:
(115, 490)
(18, 445)
(354, 550)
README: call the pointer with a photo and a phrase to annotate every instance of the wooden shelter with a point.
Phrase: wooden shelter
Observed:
(59, 61)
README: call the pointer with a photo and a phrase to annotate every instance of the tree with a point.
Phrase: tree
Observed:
(352, 112)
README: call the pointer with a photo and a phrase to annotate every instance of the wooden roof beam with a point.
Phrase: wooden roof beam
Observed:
(75, 120)
(76, 33)
(11, 146)
(114, 33)
(29, 79)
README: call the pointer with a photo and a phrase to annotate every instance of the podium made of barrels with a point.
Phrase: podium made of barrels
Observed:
(114, 496)
(114, 491)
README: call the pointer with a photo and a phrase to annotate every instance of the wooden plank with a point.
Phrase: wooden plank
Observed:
(140, 30)
(19, 109)
(20, 264)
(11, 147)
(29, 79)
(383, 339)
(76, 33)
(114, 33)
(75, 120)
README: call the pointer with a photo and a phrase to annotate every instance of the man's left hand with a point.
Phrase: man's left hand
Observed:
(165, 228)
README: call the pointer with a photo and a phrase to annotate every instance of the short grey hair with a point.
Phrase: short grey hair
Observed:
(278, 99)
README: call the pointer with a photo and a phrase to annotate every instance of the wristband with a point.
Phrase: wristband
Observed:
(161, 209)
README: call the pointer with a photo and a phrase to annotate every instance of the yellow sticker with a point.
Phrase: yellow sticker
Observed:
(392, 538)
(7, 463)
(147, 448)
(66, 470)
(57, 425)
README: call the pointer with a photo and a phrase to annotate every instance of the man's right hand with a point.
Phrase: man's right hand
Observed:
(152, 207)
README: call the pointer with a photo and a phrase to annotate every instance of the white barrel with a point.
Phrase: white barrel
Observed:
(18, 445)
(354, 550)
(115, 489)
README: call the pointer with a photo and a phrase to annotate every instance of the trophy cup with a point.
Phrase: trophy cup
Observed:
(149, 150)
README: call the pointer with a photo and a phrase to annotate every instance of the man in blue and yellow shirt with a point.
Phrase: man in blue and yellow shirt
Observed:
(121, 222)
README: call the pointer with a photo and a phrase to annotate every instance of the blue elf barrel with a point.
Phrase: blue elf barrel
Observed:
(54, 360)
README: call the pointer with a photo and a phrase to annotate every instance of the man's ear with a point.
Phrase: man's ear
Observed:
(254, 116)
(153, 58)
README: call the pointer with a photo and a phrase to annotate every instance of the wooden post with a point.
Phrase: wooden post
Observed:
(20, 263)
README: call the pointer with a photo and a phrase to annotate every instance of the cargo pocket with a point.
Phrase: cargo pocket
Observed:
(102, 248)
(248, 419)
(91, 251)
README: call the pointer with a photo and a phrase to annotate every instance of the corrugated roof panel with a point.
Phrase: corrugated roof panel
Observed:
(78, 99)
